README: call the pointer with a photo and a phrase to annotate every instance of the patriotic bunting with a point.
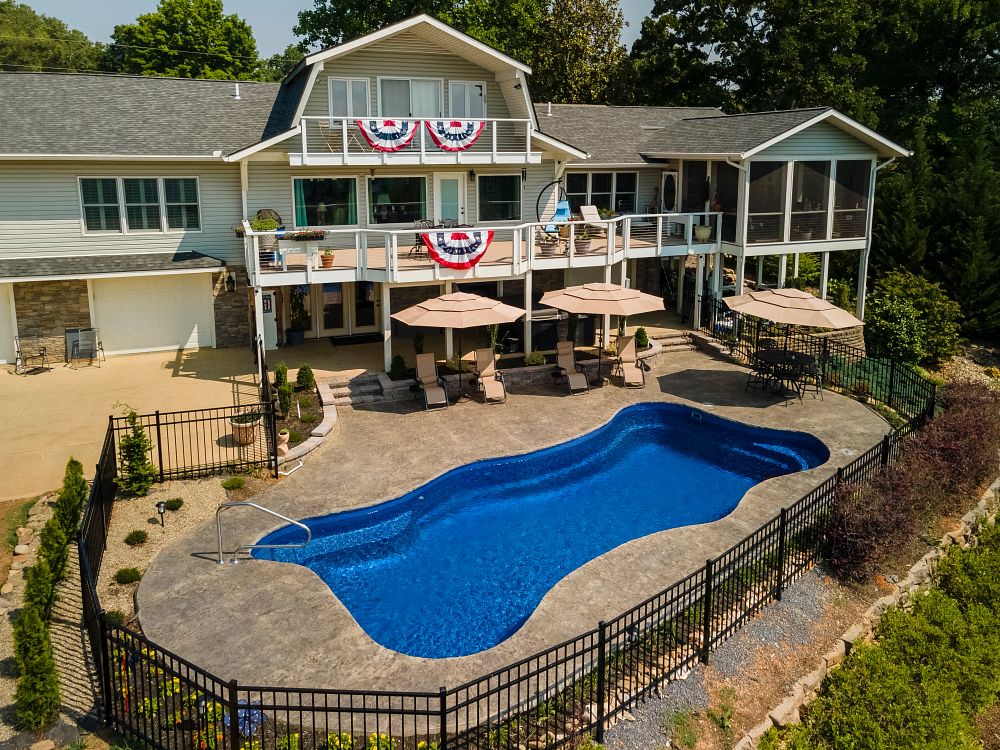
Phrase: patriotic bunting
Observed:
(461, 249)
(455, 135)
(388, 135)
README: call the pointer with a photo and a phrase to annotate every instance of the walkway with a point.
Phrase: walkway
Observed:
(268, 623)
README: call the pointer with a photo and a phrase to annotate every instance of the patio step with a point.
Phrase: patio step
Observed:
(675, 341)
(360, 389)
(364, 389)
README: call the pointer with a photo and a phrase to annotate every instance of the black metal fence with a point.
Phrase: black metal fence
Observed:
(550, 699)
(841, 366)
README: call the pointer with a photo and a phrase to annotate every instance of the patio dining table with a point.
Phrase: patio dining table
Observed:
(783, 370)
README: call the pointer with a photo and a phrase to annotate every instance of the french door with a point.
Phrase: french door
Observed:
(347, 308)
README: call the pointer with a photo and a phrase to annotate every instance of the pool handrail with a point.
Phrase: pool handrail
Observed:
(247, 504)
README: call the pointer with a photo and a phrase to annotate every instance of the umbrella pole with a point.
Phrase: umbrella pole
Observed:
(600, 353)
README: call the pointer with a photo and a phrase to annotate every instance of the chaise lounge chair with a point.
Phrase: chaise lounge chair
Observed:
(569, 369)
(430, 383)
(629, 366)
(595, 224)
(489, 380)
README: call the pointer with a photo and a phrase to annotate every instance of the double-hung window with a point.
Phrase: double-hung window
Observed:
(499, 198)
(142, 203)
(411, 97)
(349, 97)
(180, 195)
(101, 211)
(325, 201)
(467, 100)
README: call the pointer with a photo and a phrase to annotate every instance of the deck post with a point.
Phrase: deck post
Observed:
(782, 270)
(449, 333)
(717, 275)
(699, 283)
(386, 326)
(741, 270)
(681, 265)
(824, 274)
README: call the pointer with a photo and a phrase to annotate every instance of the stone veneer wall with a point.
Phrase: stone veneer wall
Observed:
(46, 308)
(232, 309)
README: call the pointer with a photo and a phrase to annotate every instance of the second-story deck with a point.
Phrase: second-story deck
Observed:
(399, 255)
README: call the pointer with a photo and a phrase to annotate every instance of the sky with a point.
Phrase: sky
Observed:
(272, 21)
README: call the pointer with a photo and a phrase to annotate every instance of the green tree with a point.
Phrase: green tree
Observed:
(36, 700)
(32, 41)
(185, 39)
(39, 588)
(137, 471)
(332, 22)
(904, 211)
(278, 65)
(509, 26)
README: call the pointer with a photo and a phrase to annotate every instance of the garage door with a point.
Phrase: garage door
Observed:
(152, 313)
(6, 323)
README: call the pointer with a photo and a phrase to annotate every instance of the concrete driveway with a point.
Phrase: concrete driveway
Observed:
(50, 416)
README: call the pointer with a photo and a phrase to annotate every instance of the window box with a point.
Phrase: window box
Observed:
(308, 235)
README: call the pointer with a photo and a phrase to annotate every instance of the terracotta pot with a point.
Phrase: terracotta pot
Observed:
(326, 260)
(283, 436)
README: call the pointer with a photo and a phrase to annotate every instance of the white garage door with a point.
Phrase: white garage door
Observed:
(6, 323)
(152, 313)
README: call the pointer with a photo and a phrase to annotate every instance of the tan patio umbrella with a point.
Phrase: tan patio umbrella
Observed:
(792, 307)
(601, 298)
(458, 310)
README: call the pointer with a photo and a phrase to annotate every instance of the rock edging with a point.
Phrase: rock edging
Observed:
(918, 579)
(320, 431)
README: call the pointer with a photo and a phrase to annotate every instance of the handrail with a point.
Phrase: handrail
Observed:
(248, 504)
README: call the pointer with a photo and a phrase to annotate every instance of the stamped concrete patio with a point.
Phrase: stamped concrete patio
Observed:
(268, 623)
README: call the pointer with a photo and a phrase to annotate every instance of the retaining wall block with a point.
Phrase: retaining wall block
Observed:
(755, 733)
(786, 712)
(745, 744)
(835, 655)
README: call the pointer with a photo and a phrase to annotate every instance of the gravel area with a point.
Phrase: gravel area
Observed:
(780, 630)
(975, 365)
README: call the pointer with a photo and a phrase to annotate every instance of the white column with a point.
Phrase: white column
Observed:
(782, 270)
(258, 320)
(862, 285)
(760, 270)
(824, 273)
(795, 266)
(681, 263)
(449, 333)
(527, 316)
(386, 327)
(717, 275)
(699, 280)
(863, 263)
(741, 268)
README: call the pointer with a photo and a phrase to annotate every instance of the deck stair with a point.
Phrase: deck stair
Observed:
(360, 389)
(674, 341)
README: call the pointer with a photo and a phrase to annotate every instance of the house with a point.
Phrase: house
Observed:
(125, 201)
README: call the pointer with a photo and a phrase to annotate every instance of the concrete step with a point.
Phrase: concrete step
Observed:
(354, 389)
(679, 348)
(357, 400)
(356, 381)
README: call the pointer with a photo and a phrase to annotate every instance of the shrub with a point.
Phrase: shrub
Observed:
(71, 498)
(305, 379)
(641, 337)
(173, 504)
(534, 358)
(54, 548)
(893, 329)
(115, 617)
(938, 314)
(280, 373)
(294, 437)
(137, 472)
(37, 698)
(39, 588)
(233, 483)
(135, 538)
(839, 293)
(125, 576)
(397, 369)
(285, 394)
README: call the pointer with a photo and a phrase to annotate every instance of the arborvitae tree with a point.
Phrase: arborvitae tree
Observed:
(37, 699)
(54, 548)
(71, 498)
(137, 471)
(39, 588)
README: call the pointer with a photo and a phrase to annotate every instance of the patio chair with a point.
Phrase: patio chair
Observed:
(431, 385)
(419, 249)
(595, 224)
(811, 379)
(628, 365)
(28, 360)
(88, 346)
(489, 380)
(569, 369)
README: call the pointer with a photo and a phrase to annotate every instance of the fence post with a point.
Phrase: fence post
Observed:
(105, 669)
(159, 445)
(892, 383)
(273, 428)
(783, 532)
(234, 716)
(824, 359)
(886, 447)
(706, 625)
(601, 679)
(443, 718)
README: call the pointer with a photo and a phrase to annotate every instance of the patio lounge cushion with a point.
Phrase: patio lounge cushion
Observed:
(633, 374)
(435, 395)
(577, 380)
(427, 377)
(490, 382)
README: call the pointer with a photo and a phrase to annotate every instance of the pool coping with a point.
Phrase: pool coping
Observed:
(279, 594)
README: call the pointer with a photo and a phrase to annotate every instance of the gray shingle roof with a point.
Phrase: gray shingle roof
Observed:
(138, 116)
(612, 135)
(725, 134)
(76, 266)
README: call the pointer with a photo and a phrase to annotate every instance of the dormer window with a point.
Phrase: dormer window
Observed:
(411, 97)
(349, 97)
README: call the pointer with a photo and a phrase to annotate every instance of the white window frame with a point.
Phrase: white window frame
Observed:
(357, 197)
(451, 108)
(123, 228)
(124, 204)
(428, 199)
(163, 206)
(439, 81)
(479, 192)
(350, 101)
(614, 184)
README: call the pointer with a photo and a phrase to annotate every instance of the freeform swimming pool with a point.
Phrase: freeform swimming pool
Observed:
(459, 564)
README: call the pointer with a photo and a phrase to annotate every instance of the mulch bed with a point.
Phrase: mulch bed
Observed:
(302, 420)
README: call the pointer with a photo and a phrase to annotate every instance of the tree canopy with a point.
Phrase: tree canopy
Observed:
(32, 41)
(186, 39)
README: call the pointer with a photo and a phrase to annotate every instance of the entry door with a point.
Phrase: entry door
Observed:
(449, 198)
(270, 332)
(346, 308)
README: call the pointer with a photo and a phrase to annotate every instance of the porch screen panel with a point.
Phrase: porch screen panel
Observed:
(810, 200)
(766, 220)
(326, 202)
(601, 189)
(727, 182)
(851, 198)
(395, 200)
(694, 194)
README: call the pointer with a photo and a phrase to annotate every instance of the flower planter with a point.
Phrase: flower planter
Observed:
(326, 259)
(295, 337)
(244, 433)
(583, 246)
(312, 235)
(702, 232)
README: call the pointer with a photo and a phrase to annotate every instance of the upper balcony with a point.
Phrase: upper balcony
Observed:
(344, 141)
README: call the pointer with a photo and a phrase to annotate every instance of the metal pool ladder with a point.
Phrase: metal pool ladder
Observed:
(247, 504)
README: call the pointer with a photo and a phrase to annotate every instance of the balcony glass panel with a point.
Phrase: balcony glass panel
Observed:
(766, 221)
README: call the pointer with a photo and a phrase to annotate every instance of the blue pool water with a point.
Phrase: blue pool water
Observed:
(457, 566)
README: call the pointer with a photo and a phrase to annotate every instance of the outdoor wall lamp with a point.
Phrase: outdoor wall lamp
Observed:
(161, 508)
(231, 281)
(472, 175)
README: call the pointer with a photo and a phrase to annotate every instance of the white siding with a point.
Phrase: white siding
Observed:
(821, 141)
(40, 211)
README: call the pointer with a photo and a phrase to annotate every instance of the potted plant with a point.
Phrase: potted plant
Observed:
(300, 320)
(238, 230)
(283, 435)
(582, 242)
(702, 232)
(245, 427)
(641, 338)
(327, 258)
(267, 242)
